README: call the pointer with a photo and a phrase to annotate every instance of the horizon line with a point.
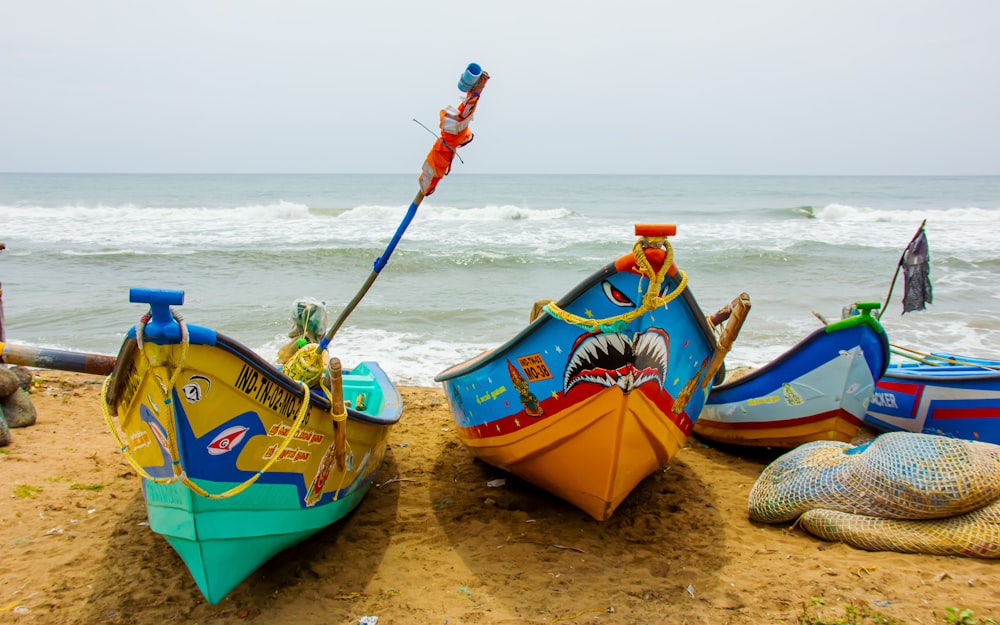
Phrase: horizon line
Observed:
(316, 173)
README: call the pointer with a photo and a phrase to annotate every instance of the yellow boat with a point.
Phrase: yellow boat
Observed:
(239, 461)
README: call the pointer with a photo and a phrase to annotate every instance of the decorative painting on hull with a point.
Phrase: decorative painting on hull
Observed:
(605, 387)
(553, 364)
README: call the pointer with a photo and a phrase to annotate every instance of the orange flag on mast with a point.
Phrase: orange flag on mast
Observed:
(455, 133)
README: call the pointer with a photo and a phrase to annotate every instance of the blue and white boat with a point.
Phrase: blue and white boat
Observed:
(817, 390)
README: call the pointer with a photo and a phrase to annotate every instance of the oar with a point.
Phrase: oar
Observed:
(935, 360)
(920, 359)
(454, 134)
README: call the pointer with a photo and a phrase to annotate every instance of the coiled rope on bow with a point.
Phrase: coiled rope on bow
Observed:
(306, 366)
(140, 330)
(651, 299)
(165, 394)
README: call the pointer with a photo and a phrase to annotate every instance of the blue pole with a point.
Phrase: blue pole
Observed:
(383, 260)
(380, 262)
(473, 75)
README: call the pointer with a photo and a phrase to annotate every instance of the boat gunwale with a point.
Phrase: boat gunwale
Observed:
(780, 360)
(391, 404)
(609, 269)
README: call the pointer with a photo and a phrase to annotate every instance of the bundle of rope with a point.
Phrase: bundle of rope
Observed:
(651, 300)
(899, 492)
(312, 367)
(306, 365)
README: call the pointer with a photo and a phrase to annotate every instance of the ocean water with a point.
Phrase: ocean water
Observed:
(480, 251)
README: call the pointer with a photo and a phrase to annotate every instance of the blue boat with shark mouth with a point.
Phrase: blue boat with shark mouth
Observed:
(603, 386)
(616, 360)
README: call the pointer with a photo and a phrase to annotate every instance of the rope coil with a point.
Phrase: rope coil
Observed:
(650, 298)
(306, 366)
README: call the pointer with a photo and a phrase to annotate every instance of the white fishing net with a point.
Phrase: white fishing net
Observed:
(975, 533)
(900, 491)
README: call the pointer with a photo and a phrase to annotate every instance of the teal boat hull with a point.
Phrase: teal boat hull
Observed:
(222, 542)
(238, 461)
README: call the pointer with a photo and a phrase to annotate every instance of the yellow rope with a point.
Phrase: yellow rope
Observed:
(166, 389)
(577, 615)
(122, 445)
(300, 417)
(235, 490)
(165, 393)
(650, 299)
(139, 331)
(179, 474)
(337, 418)
(306, 365)
(305, 324)
(339, 421)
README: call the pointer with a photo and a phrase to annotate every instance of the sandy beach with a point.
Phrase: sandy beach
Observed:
(434, 544)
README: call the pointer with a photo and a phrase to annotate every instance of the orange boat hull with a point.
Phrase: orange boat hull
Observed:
(592, 454)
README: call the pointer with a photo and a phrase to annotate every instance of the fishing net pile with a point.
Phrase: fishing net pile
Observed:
(905, 492)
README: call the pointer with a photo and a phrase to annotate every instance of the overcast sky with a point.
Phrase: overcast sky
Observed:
(624, 86)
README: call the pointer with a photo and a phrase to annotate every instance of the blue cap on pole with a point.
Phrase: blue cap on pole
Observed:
(470, 77)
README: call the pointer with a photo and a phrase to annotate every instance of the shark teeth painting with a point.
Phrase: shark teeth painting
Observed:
(615, 359)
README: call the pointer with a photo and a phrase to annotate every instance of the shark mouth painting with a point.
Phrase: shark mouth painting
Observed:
(615, 360)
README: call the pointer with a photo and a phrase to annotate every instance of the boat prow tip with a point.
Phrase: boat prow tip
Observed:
(168, 297)
(655, 230)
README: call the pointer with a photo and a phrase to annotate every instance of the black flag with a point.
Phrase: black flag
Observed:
(917, 274)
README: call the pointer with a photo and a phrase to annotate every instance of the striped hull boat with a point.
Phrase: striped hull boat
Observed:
(946, 394)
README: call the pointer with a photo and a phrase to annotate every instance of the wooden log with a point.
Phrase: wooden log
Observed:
(45, 358)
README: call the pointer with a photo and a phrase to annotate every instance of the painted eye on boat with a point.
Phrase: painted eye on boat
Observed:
(616, 296)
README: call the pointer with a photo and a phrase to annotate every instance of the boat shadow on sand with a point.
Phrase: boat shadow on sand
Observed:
(142, 573)
(753, 459)
(666, 539)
